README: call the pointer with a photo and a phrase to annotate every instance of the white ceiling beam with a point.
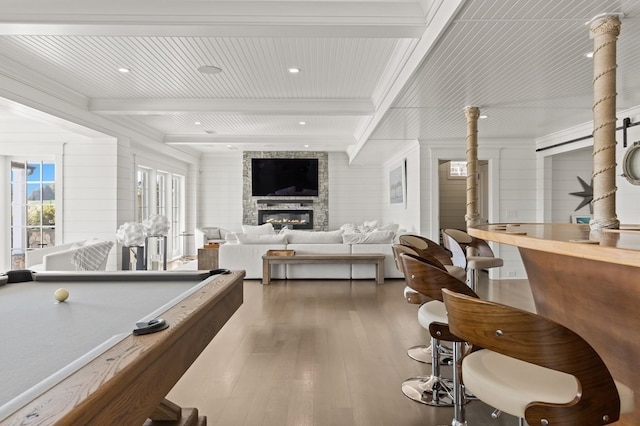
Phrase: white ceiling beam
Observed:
(249, 139)
(439, 23)
(215, 19)
(231, 106)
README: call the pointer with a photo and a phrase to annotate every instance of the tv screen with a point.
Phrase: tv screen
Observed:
(289, 177)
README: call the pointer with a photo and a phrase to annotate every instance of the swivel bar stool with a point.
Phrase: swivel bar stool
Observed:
(565, 382)
(422, 353)
(429, 280)
(469, 253)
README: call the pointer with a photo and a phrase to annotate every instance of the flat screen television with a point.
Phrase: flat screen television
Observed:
(288, 177)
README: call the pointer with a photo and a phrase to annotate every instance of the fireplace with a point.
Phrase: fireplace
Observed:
(292, 219)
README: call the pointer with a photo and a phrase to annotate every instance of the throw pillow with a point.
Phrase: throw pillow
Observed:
(211, 233)
(264, 229)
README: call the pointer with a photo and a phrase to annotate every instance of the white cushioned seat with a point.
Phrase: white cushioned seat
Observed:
(433, 311)
(512, 384)
(479, 262)
(456, 271)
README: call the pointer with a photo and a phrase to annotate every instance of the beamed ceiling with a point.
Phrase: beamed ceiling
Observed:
(372, 73)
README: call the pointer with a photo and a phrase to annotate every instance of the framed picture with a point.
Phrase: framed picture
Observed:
(581, 218)
(397, 185)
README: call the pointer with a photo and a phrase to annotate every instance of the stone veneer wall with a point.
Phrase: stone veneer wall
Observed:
(319, 204)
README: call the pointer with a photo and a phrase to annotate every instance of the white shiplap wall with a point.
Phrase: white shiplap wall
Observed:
(90, 178)
(220, 191)
(355, 192)
(565, 168)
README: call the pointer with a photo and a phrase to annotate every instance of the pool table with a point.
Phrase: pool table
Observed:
(78, 361)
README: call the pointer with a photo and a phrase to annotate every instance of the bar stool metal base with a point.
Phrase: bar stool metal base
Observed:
(429, 390)
(422, 353)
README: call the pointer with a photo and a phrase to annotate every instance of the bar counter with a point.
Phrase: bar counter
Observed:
(587, 281)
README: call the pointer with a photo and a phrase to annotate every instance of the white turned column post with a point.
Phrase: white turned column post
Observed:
(472, 217)
(604, 32)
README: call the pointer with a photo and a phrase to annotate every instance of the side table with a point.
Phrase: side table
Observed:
(208, 258)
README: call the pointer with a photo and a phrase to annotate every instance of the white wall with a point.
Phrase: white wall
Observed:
(354, 192)
(406, 215)
(220, 191)
(565, 168)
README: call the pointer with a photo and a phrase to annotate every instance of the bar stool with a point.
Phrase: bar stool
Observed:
(422, 353)
(563, 383)
(429, 280)
(470, 253)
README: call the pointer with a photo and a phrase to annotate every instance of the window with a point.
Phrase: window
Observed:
(142, 196)
(457, 169)
(161, 193)
(33, 208)
(176, 213)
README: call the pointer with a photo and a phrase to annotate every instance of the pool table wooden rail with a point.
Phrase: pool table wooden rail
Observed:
(128, 382)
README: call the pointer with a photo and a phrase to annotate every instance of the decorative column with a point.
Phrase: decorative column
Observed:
(604, 31)
(472, 217)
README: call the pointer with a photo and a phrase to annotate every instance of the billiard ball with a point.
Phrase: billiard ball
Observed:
(61, 294)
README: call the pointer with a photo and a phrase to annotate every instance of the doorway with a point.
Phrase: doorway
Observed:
(452, 192)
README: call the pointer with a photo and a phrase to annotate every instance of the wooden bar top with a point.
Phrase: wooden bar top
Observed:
(589, 282)
(577, 240)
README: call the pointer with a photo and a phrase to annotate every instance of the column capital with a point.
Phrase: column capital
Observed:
(609, 24)
(472, 113)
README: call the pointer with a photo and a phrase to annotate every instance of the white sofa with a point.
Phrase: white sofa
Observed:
(245, 250)
(65, 257)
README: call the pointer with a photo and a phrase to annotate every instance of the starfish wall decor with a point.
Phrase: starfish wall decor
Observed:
(586, 194)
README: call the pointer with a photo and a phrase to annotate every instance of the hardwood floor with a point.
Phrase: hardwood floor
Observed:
(315, 352)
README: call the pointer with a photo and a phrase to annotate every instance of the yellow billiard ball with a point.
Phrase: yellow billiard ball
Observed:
(61, 294)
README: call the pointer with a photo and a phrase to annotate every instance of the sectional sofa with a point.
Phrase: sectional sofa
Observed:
(245, 250)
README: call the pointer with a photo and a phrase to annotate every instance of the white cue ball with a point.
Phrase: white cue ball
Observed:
(61, 294)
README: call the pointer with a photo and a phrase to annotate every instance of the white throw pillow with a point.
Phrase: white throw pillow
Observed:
(261, 239)
(211, 233)
(375, 237)
(313, 237)
(264, 229)
(370, 223)
(393, 228)
(231, 238)
(348, 228)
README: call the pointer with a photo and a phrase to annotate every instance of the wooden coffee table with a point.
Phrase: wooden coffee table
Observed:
(338, 259)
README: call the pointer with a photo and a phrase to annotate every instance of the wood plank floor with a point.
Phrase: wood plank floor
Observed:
(315, 352)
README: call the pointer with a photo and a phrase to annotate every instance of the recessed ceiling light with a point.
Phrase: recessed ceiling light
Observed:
(197, 123)
(306, 145)
(302, 123)
(124, 70)
(294, 70)
(588, 55)
(483, 116)
(209, 69)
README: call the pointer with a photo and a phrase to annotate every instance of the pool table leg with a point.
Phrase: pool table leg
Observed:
(169, 414)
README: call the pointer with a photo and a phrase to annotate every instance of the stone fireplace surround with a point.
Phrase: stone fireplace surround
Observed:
(318, 205)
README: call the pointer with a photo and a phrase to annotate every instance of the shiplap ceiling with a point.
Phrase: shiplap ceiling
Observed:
(373, 73)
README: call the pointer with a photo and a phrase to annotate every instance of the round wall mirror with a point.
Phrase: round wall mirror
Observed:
(631, 164)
